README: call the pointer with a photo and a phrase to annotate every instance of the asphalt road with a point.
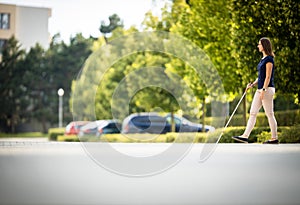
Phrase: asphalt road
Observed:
(37, 172)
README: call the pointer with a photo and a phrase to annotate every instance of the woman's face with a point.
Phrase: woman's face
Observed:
(260, 47)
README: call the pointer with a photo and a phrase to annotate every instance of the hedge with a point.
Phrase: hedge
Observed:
(145, 137)
(54, 132)
(258, 134)
(284, 118)
(23, 135)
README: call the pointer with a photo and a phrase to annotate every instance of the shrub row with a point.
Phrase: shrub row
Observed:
(23, 135)
(53, 133)
(284, 118)
(259, 134)
(135, 138)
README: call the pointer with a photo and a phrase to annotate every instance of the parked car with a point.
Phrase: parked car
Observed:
(154, 123)
(90, 129)
(184, 125)
(145, 123)
(109, 127)
(73, 127)
(99, 127)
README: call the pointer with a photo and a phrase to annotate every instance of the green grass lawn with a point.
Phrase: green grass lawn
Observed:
(23, 135)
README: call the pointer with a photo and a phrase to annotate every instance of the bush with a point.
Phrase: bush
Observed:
(67, 138)
(261, 134)
(258, 134)
(284, 118)
(290, 135)
(264, 136)
(288, 118)
(236, 131)
(54, 132)
(23, 135)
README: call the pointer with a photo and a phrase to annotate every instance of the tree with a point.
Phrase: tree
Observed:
(205, 24)
(278, 20)
(114, 22)
(64, 63)
(143, 98)
(11, 86)
(38, 81)
(227, 31)
(149, 76)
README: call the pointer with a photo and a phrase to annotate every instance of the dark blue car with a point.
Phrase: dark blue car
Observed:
(154, 123)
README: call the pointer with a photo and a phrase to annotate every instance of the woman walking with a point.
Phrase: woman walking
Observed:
(264, 94)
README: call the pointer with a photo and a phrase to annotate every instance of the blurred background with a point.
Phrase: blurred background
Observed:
(44, 44)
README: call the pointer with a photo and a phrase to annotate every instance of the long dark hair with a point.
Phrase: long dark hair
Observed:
(267, 45)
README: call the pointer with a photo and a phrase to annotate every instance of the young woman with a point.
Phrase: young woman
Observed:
(264, 94)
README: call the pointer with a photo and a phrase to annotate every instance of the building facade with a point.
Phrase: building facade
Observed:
(29, 25)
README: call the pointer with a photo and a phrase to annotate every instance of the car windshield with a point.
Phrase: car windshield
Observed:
(178, 120)
(149, 119)
(92, 125)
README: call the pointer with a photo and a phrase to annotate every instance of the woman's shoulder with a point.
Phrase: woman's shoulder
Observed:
(269, 59)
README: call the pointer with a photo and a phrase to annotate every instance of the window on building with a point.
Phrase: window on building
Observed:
(2, 44)
(4, 21)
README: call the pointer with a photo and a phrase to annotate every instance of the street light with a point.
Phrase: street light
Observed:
(60, 93)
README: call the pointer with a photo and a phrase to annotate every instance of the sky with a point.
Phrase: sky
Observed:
(84, 16)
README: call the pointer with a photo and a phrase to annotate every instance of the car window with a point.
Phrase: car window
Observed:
(77, 126)
(91, 125)
(176, 120)
(148, 119)
(156, 119)
(111, 125)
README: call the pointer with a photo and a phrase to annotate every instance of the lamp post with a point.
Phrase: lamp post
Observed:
(60, 93)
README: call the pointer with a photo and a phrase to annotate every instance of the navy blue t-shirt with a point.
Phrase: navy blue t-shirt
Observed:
(261, 67)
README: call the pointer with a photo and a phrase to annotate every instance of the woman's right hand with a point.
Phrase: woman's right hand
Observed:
(250, 85)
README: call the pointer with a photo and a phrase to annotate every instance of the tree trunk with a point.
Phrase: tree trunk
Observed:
(172, 122)
(13, 123)
(105, 38)
(203, 115)
(44, 125)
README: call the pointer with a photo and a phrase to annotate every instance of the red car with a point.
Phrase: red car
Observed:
(73, 127)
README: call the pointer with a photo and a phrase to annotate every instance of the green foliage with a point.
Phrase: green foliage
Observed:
(286, 102)
(258, 135)
(12, 87)
(227, 31)
(291, 135)
(208, 25)
(53, 133)
(63, 64)
(278, 20)
(139, 138)
(37, 80)
(23, 135)
(284, 118)
(114, 23)
(29, 81)
(75, 138)
(129, 74)
(67, 138)
(261, 134)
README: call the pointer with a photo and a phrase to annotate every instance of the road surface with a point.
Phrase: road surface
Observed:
(41, 172)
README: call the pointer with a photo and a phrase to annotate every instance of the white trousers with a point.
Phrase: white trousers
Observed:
(268, 106)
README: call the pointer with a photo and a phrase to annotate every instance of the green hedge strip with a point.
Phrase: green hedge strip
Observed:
(258, 135)
(54, 132)
(284, 118)
(23, 135)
